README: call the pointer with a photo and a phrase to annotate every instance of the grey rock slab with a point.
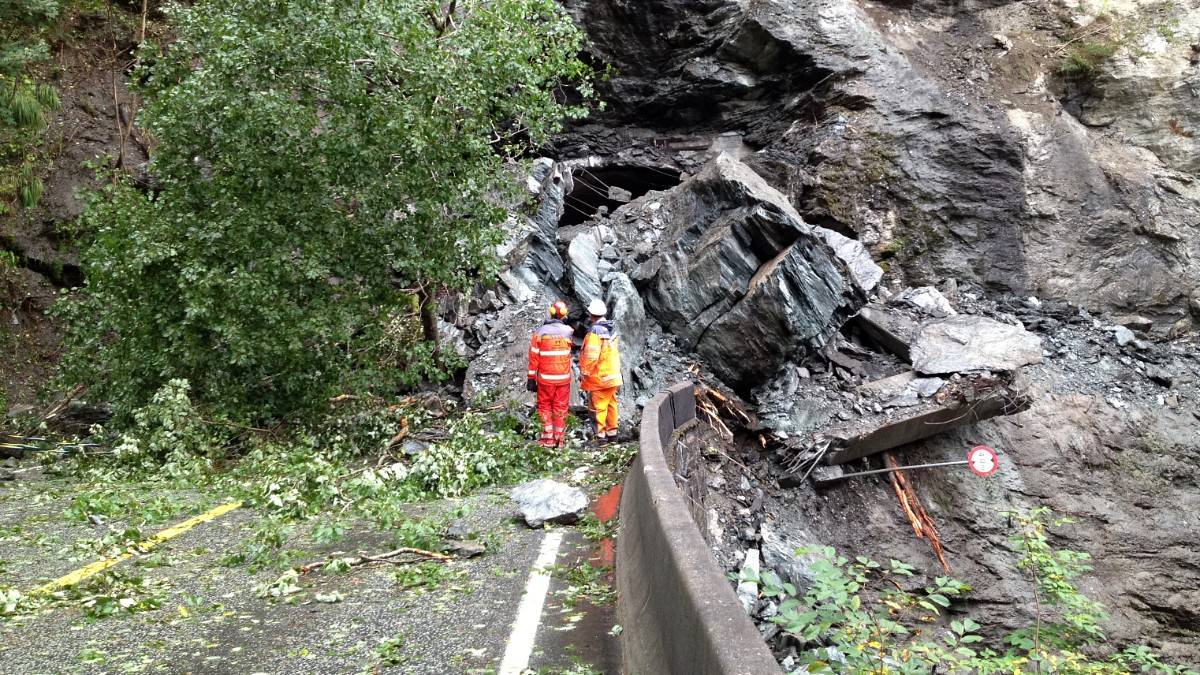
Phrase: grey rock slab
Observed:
(927, 386)
(973, 343)
(1123, 335)
(628, 314)
(915, 390)
(20, 410)
(547, 501)
(927, 299)
(779, 548)
(584, 254)
(743, 280)
(464, 548)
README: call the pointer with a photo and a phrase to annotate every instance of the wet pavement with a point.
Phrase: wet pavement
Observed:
(454, 617)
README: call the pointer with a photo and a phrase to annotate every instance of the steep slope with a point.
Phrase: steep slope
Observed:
(945, 135)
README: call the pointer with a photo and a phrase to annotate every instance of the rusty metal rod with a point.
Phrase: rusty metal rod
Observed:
(901, 468)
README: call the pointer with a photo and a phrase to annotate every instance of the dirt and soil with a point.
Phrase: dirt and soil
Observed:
(91, 54)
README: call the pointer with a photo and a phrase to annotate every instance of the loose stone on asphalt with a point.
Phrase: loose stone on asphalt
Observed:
(211, 620)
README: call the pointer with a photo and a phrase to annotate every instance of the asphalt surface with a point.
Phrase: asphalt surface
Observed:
(454, 617)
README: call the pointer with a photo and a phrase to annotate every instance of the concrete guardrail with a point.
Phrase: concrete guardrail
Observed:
(678, 613)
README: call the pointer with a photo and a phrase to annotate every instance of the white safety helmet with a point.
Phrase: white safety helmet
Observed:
(596, 308)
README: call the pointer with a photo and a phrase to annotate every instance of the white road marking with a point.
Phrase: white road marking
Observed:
(529, 615)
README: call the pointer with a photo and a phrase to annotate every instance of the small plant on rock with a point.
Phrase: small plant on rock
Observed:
(859, 616)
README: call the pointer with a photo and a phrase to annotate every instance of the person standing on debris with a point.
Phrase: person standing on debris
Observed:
(550, 374)
(600, 365)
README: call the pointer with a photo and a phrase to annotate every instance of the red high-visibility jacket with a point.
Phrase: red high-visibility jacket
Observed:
(550, 353)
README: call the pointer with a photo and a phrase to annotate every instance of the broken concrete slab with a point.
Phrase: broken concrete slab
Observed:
(963, 344)
(957, 403)
(547, 501)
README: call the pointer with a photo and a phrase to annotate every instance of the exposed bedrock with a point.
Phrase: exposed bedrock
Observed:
(909, 127)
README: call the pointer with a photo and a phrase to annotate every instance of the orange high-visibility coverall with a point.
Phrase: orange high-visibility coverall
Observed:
(550, 364)
(600, 364)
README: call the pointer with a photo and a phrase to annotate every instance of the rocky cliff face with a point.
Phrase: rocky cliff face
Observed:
(944, 135)
(1004, 149)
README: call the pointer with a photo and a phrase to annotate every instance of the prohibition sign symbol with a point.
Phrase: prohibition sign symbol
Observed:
(982, 461)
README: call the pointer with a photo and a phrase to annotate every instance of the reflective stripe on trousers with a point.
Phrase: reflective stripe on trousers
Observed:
(552, 402)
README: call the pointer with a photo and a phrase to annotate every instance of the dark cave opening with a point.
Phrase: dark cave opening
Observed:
(610, 187)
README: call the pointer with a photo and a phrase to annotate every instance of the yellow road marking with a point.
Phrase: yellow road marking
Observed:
(101, 565)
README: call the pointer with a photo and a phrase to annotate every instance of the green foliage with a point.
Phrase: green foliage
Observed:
(10, 600)
(860, 616)
(168, 435)
(472, 457)
(312, 158)
(583, 582)
(1084, 59)
(285, 587)
(390, 651)
(115, 592)
(598, 530)
(1103, 38)
(424, 576)
(24, 103)
(1053, 571)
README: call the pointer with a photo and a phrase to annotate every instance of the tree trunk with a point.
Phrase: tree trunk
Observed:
(429, 319)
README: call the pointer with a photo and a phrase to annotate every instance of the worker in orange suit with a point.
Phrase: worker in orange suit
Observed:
(550, 374)
(600, 366)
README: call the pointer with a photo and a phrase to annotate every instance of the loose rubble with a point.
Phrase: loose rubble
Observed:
(1091, 405)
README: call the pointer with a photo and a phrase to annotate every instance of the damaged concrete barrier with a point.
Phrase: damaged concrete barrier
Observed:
(678, 612)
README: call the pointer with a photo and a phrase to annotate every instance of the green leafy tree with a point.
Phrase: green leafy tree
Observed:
(24, 103)
(318, 165)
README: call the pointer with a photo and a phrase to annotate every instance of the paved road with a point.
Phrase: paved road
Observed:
(212, 621)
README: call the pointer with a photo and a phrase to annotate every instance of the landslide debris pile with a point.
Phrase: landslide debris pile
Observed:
(1111, 438)
(690, 273)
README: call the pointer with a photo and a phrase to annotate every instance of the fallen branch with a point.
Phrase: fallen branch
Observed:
(921, 523)
(714, 418)
(63, 403)
(388, 557)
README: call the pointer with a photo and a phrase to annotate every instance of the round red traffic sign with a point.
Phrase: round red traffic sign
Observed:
(982, 460)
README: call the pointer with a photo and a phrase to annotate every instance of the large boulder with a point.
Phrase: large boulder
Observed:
(530, 247)
(584, 254)
(743, 280)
